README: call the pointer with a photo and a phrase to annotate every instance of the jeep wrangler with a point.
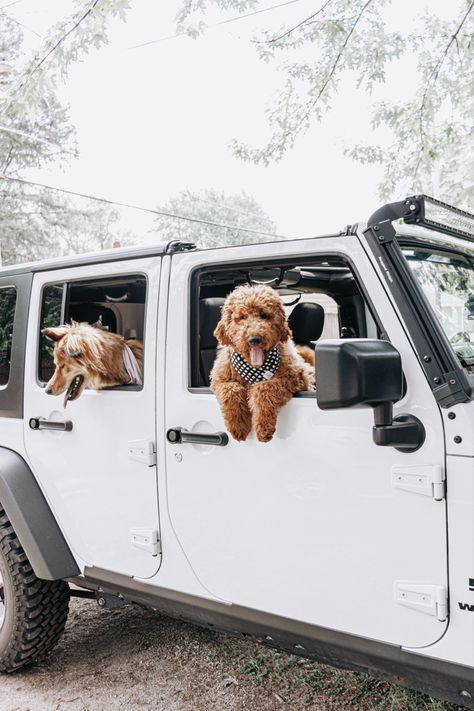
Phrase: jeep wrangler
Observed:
(348, 539)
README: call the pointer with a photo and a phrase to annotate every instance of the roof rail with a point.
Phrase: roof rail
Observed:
(177, 246)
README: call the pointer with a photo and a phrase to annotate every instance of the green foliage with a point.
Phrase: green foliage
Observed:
(431, 128)
(35, 131)
(7, 315)
(241, 211)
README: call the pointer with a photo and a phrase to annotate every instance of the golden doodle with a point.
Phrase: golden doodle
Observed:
(258, 367)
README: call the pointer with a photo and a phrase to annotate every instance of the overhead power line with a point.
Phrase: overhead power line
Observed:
(161, 213)
(218, 24)
(10, 4)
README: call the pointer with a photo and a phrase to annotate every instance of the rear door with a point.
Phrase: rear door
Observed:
(100, 477)
(320, 524)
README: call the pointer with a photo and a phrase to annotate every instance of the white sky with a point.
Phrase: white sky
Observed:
(154, 120)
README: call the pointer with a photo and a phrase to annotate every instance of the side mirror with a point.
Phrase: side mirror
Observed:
(360, 371)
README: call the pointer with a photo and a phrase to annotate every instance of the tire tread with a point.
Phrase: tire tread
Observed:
(40, 606)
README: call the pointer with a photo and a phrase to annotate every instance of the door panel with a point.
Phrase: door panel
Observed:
(308, 526)
(98, 493)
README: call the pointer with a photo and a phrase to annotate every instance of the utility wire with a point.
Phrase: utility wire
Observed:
(222, 206)
(15, 2)
(162, 213)
(218, 24)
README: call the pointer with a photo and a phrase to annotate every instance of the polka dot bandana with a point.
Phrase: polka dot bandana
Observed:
(255, 375)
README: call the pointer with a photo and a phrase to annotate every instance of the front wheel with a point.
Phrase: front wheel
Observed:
(33, 612)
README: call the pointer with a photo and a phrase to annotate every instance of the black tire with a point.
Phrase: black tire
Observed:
(33, 612)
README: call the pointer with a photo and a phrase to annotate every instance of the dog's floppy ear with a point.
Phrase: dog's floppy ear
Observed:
(55, 334)
(221, 332)
(285, 331)
(73, 346)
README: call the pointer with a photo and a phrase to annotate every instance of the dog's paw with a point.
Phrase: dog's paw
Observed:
(264, 434)
(239, 433)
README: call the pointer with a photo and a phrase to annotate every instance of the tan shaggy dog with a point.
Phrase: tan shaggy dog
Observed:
(258, 368)
(89, 357)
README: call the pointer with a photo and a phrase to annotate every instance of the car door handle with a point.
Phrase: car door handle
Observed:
(40, 423)
(177, 435)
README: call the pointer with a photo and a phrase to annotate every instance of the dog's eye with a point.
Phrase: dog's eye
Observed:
(242, 317)
(263, 315)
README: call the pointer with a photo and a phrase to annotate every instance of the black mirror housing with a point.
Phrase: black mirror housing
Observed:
(357, 371)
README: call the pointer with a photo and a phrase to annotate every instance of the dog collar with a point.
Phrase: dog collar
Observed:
(131, 366)
(255, 375)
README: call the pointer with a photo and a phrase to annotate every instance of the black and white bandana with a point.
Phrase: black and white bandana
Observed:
(255, 375)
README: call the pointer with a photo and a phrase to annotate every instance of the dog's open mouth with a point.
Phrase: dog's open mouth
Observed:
(257, 356)
(74, 388)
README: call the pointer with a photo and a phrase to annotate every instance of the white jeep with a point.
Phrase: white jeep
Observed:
(349, 538)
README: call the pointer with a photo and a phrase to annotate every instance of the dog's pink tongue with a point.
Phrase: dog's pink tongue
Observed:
(256, 356)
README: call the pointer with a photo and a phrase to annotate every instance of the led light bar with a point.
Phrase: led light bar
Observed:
(439, 216)
(429, 212)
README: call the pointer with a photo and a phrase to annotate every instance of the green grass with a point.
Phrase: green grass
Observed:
(303, 684)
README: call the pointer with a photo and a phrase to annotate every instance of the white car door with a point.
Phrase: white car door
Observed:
(312, 526)
(100, 477)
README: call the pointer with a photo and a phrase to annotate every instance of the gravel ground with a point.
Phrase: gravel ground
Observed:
(133, 658)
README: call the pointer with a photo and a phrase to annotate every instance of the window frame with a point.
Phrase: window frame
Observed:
(11, 394)
(15, 291)
(193, 303)
(65, 303)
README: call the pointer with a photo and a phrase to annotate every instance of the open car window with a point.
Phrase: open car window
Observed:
(114, 304)
(327, 282)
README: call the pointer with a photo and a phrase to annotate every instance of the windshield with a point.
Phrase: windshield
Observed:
(447, 278)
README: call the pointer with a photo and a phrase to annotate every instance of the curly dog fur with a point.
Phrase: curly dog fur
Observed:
(255, 314)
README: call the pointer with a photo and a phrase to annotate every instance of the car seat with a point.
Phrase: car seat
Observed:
(209, 315)
(306, 322)
(91, 313)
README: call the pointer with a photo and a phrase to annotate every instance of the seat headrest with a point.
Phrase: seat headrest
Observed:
(209, 315)
(306, 322)
(91, 313)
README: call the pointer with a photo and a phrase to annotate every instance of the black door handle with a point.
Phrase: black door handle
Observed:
(40, 423)
(177, 435)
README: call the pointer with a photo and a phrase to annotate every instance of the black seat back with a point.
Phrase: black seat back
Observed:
(306, 322)
(93, 313)
(209, 315)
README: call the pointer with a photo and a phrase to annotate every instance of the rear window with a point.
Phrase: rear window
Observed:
(7, 316)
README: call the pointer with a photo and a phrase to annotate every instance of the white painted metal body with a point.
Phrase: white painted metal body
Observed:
(308, 526)
(98, 492)
(320, 525)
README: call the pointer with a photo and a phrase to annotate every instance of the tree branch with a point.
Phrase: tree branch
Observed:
(60, 41)
(300, 24)
(335, 63)
(431, 82)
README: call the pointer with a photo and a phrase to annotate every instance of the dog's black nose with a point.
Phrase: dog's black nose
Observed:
(48, 391)
(255, 340)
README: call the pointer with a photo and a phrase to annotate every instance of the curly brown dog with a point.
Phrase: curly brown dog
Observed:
(258, 368)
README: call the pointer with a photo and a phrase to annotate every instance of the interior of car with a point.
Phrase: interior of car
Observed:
(116, 305)
(322, 299)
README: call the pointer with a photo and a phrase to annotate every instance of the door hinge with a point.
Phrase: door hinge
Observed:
(429, 599)
(143, 451)
(146, 539)
(425, 480)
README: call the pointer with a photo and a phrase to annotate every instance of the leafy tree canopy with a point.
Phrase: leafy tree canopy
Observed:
(431, 128)
(212, 210)
(35, 132)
